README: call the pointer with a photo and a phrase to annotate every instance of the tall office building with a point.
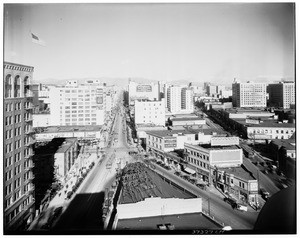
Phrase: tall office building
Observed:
(180, 99)
(249, 94)
(78, 104)
(282, 94)
(174, 99)
(187, 103)
(19, 207)
(211, 90)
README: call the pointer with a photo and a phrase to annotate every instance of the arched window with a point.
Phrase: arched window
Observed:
(8, 86)
(26, 86)
(17, 86)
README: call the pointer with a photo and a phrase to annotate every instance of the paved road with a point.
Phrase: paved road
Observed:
(263, 180)
(222, 211)
(84, 213)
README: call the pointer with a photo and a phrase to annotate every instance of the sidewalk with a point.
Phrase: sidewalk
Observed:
(60, 199)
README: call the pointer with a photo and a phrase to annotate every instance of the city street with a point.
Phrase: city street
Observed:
(84, 213)
(213, 203)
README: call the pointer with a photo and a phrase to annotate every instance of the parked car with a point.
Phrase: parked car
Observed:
(264, 193)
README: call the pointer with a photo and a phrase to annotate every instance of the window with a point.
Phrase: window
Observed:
(17, 195)
(17, 183)
(8, 175)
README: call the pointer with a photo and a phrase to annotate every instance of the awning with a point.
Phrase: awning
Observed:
(190, 171)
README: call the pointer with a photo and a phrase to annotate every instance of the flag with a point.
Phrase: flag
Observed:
(37, 40)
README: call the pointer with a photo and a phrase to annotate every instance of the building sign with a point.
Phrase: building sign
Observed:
(252, 121)
(253, 187)
(144, 88)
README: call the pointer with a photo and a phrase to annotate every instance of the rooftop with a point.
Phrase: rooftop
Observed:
(287, 144)
(139, 183)
(66, 145)
(186, 131)
(180, 222)
(186, 119)
(240, 172)
(219, 147)
(52, 129)
(266, 123)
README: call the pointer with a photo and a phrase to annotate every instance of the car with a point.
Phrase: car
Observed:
(57, 211)
(264, 193)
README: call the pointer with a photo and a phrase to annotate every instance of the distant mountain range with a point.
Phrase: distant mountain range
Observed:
(123, 82)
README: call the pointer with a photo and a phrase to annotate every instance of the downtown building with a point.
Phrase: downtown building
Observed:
(180, 99)
(18, 194)
(249, 94)
(221, 162)
(149, 112)
(282, 94)
(148, 91)
(78, 104)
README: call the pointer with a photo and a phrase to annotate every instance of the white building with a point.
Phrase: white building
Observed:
(170, 140)
(75, 104)
(147, 112)
(150, 91)
(180, 99)
(282, 94)
(174, 99)
(249, 94)
(187, 103)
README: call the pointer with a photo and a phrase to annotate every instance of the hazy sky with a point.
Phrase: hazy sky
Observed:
(199, 42)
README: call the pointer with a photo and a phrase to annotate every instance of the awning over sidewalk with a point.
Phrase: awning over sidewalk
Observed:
(190, 171)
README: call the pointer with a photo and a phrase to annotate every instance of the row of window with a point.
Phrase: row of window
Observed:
(9, 107)
(198, 162)
(197, 154)
(13, 146)
(80, 115)
(258, 131)
(81, 123)
(79, 91)
(81, 119)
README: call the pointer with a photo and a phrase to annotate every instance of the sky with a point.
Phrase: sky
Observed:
(196, 42)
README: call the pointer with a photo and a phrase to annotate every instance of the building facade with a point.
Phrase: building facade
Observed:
(187, 103)
(18, 192)
(170, 140)
(205, 158)
(220, 163)
(65, 157)
(150, 91)
(249, 94)
(147, 112)
(180, 99)
(78, 104)
(282, 94)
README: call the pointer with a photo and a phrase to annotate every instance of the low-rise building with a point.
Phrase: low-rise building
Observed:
(254, 124)
(64, 157)
(203, 159)
(237, 182)
(284, 152)
(187, 121)
(169, 140)
(146, 111)
(220, 163)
